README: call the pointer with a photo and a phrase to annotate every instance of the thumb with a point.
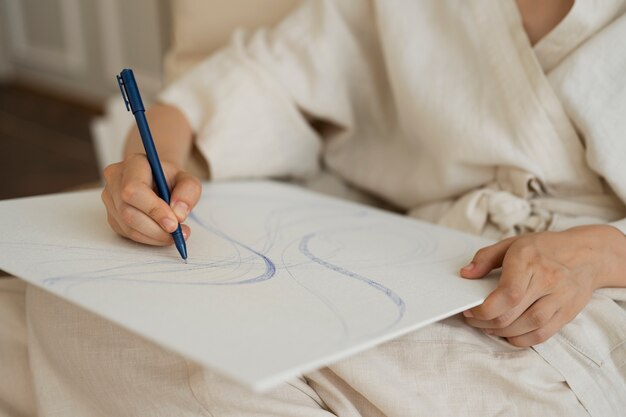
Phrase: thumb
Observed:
(487, 259)
(186, 192)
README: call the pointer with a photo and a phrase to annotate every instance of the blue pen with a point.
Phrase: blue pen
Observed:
(132, 99)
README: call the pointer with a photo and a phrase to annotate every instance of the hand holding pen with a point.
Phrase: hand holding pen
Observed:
(134, 209)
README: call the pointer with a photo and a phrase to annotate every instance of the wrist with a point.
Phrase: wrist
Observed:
(613, 273)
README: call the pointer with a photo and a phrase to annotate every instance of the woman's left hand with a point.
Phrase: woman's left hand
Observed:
(547, 279)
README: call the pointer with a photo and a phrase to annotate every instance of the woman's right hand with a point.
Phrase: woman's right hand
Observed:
(135, 211)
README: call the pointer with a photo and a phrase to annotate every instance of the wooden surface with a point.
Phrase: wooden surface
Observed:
(45, 143)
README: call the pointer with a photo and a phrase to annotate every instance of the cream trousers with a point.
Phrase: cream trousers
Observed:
(59, 360)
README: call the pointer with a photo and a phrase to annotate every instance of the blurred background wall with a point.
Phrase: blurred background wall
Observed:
(74, 47)
(61, 116)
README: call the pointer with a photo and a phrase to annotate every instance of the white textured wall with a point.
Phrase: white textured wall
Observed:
(76, 47)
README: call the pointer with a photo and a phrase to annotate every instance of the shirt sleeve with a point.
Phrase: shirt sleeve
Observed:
(252, 104)
(620, 224)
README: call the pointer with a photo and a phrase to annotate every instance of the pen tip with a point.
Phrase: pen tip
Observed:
(185, 261)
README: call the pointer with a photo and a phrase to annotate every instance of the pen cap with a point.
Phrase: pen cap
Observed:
(129, 85)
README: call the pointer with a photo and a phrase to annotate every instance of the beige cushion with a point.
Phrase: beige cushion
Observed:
(199, 27)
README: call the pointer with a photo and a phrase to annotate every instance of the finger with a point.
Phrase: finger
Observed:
(115, 225)
(110, 206)
(503, 320)
(139, 195)
(185, 194)
(133, 218)
(541, 334)
(539, 314)
(134, 169)
(186, 231)
(512, 289)
(124, 228)
(110, 172)
(129, 233)
(487, 259)
(136, 235)
(105, 195)
(532, 294)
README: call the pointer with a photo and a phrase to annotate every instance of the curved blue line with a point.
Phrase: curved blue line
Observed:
(395, 298)
(327, 303)
(270, 267)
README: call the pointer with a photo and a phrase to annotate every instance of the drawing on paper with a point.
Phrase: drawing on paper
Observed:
(280, 281)
(310, 244)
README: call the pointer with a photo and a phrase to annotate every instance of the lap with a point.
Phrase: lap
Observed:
(16, 389)
(446, 368)
(102, 369)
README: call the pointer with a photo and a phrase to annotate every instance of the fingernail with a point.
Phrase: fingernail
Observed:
(469, 266)
(181, 209)
(169, 224)
(185, 234)
(488, 331)
(468, 313)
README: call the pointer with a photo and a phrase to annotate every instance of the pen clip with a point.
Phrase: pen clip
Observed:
(120, 81)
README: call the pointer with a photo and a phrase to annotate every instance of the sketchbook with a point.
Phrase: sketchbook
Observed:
(280, 280)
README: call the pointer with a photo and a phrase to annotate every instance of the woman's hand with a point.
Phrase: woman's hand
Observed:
(547, 279)
(135, 210)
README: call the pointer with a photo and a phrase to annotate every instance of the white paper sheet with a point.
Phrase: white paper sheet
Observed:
(280, 281)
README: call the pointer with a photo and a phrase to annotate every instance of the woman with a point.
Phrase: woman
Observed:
(499, 121)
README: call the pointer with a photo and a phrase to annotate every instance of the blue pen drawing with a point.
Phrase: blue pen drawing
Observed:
(395, 298)
(315, 258)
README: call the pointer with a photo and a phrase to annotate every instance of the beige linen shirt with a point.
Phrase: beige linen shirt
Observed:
(444, 110)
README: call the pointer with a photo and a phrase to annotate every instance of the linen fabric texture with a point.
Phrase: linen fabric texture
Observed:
(440, 109)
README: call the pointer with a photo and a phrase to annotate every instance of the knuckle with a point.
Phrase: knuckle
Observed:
(512, 296)
(155, 212)
(503, 320)
(539, 336)
(196, 187)
(539, 261)
(499, 322)
(127, 214)
(553, 276)
(108, 171)
(190, 187)
(481, 254)
(195, 181)
(135, 235)
(548, 280)
(128, 192)
(537, 318)
(526, 249)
